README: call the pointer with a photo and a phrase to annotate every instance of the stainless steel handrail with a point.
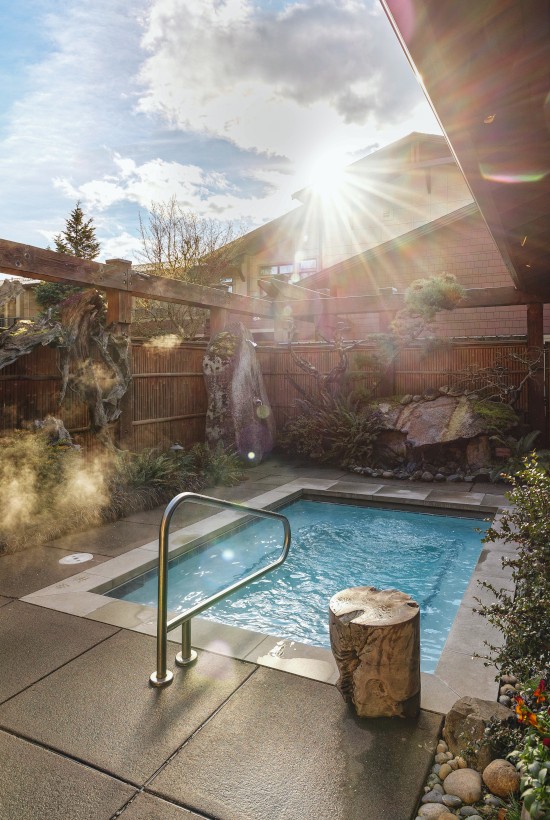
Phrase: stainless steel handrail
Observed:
(163, 676)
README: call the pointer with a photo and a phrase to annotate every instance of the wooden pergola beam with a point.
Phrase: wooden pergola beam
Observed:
(38, 263)
(381, 303)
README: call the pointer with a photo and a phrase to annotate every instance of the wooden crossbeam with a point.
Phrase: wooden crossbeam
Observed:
(38, 263)
(379, 303)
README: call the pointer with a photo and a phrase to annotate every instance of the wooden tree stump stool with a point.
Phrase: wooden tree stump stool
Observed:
(375, 639)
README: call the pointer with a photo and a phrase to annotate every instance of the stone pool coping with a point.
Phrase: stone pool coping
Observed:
(458, 672)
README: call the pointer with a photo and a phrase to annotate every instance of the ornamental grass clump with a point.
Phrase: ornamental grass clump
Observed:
(143, 480)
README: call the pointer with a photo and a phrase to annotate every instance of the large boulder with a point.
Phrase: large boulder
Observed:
(444, 419)
(465, 725)
(239, 415)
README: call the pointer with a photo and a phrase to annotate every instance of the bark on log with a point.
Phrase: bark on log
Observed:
(375, 639)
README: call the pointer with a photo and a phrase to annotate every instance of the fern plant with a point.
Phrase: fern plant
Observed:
(337, 434)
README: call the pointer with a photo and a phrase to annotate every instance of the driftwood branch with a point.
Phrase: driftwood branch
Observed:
(20, 339)
(329, 384)
(94, 361)
(498, 382)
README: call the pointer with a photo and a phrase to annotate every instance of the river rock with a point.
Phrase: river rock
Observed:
(239, 415)
(433, 796)
(445, 770)
(452, 801)
(501, 778)
(432, 810)
(465, 784)
(465, 725)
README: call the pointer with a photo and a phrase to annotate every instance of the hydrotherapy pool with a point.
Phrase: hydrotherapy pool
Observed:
(334, 546)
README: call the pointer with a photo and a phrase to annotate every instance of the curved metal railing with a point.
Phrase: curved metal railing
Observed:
(163, 676)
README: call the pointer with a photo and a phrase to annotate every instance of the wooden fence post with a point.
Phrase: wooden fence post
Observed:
(536, 410)
(119, 315)
(218, 319)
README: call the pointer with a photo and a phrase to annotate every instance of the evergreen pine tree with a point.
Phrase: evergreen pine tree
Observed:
(78, 238)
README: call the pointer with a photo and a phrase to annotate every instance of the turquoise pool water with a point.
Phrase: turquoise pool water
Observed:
(334, 546)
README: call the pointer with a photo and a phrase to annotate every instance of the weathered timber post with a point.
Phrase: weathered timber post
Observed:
(375, 639)
(119, 315)
(536, 410)
(386, 385)
(218, 320)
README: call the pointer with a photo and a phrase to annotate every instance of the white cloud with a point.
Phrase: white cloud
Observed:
(196, 189)
(223, 103)
(276, 81)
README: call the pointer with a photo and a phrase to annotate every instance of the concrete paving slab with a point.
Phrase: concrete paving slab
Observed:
(436, 696)
(39, 784)
(220, 638)
(354, 488)
(490, 563)
(295, 657)
(4, 601)
(469, 631)
(148, 807)
(467, 675)
(110, 539)
(402, 493)
(101, 709)
(286, 747)
(35, 642)
(493, 489)
(24, 572)
(475, 593)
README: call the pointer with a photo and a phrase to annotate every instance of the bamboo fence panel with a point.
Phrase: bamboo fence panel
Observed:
(168, 396)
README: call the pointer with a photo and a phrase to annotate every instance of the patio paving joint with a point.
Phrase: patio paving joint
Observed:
(199, 729)
(64, 755)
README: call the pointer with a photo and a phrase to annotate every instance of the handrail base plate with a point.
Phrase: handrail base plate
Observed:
(181, 661)
(159, 682)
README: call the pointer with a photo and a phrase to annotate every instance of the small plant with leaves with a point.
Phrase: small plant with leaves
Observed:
(216, 466)
(519, 449)
(532, 758)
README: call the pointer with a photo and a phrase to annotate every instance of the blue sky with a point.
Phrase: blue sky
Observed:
(229, 105)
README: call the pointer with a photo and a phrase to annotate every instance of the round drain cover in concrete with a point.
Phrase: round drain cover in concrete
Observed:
(77, 558)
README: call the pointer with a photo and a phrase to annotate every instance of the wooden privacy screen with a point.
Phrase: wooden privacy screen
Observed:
(169, 398)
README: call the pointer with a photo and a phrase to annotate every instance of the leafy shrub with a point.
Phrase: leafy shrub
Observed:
(335, 434)
(523, 617)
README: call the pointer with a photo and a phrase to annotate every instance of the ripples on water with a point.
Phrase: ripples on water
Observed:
(334, 546)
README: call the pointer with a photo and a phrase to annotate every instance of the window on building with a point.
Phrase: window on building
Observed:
(308, 265)
(273, 270)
